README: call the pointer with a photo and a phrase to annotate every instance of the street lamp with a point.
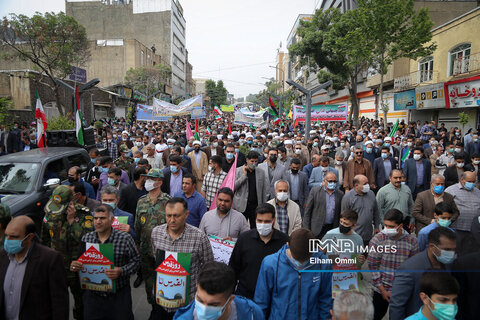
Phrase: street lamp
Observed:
(90, 84)
(283, 75)
(308, 94)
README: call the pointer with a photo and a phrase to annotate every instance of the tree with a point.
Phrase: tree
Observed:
(149, 80)
(216, 91)
(332, 43)
(6, 118)
(463, 119)
(395, 31)
(52, 42)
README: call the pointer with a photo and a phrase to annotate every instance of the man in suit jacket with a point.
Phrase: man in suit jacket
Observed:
(175, 162)
(213, 149)
(316, 217)
(358, 166)
(316, 178)
(405, 297)
(199, 163)
(13, 140)
(129, 196)
(298, 184)
(30, 269)
(251, 188)
(451, 173)
(382, 167)
(418, 171)
(424, 206)
(273, 170)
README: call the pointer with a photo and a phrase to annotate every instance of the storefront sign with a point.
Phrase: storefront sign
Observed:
(430, 97)
(404, 100)
(464, 93)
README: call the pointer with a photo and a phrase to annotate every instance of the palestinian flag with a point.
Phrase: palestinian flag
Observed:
(78, 120)
(217, 110)
(42, 124)
(273, 110)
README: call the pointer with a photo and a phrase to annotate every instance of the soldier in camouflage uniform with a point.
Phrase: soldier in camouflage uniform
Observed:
(64, 225)
(150, 213)
(123, 162)
(5, 218)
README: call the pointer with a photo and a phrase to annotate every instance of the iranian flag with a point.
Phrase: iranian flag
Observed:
(78, 121)
(217, 110)
(209, 131)
(277, 121)
(42, 124)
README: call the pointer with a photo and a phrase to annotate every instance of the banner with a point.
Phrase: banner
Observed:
(249, 118)
(229, 108)
(222, 249)
(404, 100)
(96, 259)
(464, 93)
(145, 113)
(430, 97)
(198, 113)
(163, 108)
(322, 112)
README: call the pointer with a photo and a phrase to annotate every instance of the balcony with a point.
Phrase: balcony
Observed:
(466, 64)
(413, 79)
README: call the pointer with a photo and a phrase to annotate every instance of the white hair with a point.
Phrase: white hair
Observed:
(278, 181)
(353, 305)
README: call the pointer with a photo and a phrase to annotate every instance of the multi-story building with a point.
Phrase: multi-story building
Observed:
(201, 89)
(157, 24)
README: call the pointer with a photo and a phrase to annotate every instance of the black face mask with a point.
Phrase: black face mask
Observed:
(71, 180)
(273, 159)
(294, 171)
(344, 229)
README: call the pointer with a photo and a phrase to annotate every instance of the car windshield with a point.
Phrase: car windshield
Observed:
(18, 177)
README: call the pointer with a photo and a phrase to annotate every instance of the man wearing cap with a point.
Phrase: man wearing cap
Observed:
(124, 161)
(325, 152)
(199, 163)
(5, 218)
(150, 213)
(64, 225)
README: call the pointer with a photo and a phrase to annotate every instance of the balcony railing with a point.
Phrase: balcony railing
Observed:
(466, 64)
(413, 79)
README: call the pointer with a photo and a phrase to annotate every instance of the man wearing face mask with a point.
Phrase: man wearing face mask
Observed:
(452, 174)
(273, 171)
(124, 161)
(213, 180)
(110, 196)
(386, 261)
(129, 196)
(138, 144)
(150, 213)
(442, 217)
(213, 149)
(358, 166)
(74, 175)
(199, 163)
(27, 269)
(440, 253)
(318, 173)
(251, 188)
(254, 245)
(215, 299)
(467, 199)
(438, 292)
(298, 184)
(106, 163)
(418, 172)
(287, 211)
(173, 175)
(283, 292)
(64, 225)
(80, 197)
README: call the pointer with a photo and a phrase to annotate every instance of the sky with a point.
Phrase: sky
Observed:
(233, 41)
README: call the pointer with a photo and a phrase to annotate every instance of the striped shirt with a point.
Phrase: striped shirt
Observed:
(211, 184)
(282, 217)
(385, 261)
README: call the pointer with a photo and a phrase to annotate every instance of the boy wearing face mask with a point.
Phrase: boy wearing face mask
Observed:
(387, 261)
(443, 218)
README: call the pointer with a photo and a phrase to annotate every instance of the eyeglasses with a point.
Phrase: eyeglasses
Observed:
(359, 152)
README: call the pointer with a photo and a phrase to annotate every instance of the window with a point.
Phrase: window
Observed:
(78, 160)
(425, 68)
(143, 58)
(459, 59)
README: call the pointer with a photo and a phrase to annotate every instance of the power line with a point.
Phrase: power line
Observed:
(236, 67)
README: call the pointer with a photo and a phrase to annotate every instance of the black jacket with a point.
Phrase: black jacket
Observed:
(451, 175)
(166, 180)
(129, 197)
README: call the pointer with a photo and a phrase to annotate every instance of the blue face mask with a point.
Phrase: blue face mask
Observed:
(13, 246)
(250, 142)
(136, 160)
(438, 189)
(443, 311)
(469, 186)
(387, 144)
(229, 156)
(331, 185)
(94, 161)
(174, 169)
(369, 150)
(445, 257)
(384, 155)
(237, 150)
(111, 181)
(208, 312)
(444, 223)
(103, 170)
(111, 204)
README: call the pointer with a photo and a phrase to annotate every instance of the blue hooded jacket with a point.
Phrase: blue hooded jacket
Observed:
(246, 309)
(283, 292)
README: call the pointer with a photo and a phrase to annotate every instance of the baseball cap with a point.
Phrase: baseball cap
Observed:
(61, 197)
(154, 173)
(124, 149)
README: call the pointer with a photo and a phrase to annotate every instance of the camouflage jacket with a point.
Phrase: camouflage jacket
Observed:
(149, 215)
(66, 238)
(124, 164)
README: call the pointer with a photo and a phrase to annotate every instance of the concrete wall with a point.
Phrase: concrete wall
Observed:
(442, 11)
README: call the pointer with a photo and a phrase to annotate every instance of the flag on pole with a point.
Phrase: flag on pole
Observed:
(217, 110)
(273, 108)
(78, 120)
(209, 131)
(196, 135)
(196, 125)
(277, 121)
(42, 124)
(228, 182)
(229, 127)
(217, 117)
(394, 129)
(189, 131)
(406, 155)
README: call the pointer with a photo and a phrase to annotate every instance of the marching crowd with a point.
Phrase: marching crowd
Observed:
(410, 187)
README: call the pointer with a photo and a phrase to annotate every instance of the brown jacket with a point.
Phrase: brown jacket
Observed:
(208, 152)
(350, 173)
(424, 208)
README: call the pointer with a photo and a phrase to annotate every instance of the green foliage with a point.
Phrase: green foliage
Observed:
(52, 42)
(6, 118)
(149, 80)
(463, 118)
(217, 92)
(60, 123)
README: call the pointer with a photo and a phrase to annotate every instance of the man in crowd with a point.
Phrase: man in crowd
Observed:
(322, 212)
(287, 211)
(106, 163)
(124, 161)
(213, 149)
(418, 172)
(453, 173)
(298, 184)
(81, 198)
(129, 196)
(118, 304)
(110, 197)
(254, 245)
(224, 221)
(442, 217)
(195, 201)
(213, 180)
(383, 166)
(309, 167)
(199, 163)
(358, 166)
(318, 173)
(173, 176)
(74, 175)
(229, 159)
(178, 236)
(273, 170)
(251, 188)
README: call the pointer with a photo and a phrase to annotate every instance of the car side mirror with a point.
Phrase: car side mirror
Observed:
(52, 183)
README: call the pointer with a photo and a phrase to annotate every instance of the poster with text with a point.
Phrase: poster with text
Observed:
(119, 220)
(172, 286)
(222, 249)
(96, 259)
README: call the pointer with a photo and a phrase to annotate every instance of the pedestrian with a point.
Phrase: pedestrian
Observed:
(382, 167)
(110, 197)
(453, 173)
(124, 161)
(273, 171)
(418, 172)
(173, 176)
(74, 175)
(288, 213)
(318, 173)
(199, 163)
(442, 217)
(195, 201)
(213, 179)
(358, 166)
(129, 196)
(5, 218)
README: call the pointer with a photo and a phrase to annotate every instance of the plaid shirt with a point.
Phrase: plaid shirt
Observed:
(282, 217)
(192, 241)
(468, 204)
(124, 251)
(388, 262)
(211, 184)
(112, 150)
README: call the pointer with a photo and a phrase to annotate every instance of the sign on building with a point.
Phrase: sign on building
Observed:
(78, 74)
(430, 97)
(464, 93)
(404, 100)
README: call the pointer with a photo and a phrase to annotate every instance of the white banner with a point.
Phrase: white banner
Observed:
(163, 108)
(249, 118)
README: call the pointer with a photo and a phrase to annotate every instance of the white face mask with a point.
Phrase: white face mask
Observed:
(365, 188)
(390, 232)
(282, 196)
(298, 151)
(149, 185)
(476, 162)
(416, 157)
(264, 229)
(460, 164)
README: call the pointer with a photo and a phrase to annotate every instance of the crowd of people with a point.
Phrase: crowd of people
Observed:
(413, 187)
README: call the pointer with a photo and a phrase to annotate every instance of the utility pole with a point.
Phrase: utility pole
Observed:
(308, 94)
